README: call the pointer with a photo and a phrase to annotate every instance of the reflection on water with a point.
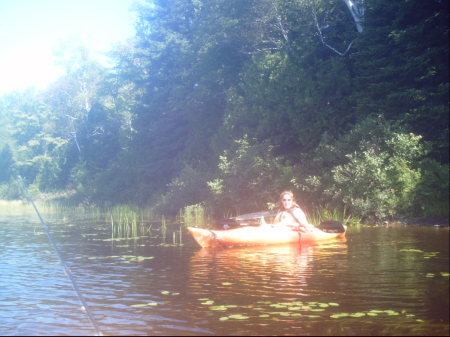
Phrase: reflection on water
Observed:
(260, 270)
(379, 282)
(248, 289)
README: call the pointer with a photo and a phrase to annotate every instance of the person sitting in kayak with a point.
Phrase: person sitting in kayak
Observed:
(290, 214)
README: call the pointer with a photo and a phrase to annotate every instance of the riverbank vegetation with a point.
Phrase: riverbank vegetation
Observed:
(225, 103)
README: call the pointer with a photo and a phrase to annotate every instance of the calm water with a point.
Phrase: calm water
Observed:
(380, 281)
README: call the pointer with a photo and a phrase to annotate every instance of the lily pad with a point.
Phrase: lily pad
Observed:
(208, 302)
(140, 305)
(391, 312)
(238, 317)
(294, 308)
(218, 307)
(278, 306)
(343, 314)
(376, 311)
(412, 250)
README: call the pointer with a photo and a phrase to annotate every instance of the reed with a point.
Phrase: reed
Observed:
(196, 215)
(163, 228)
(15, 206)
(125, 221)
(323, 213)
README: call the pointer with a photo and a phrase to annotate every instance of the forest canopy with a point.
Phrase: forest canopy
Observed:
(228, 102)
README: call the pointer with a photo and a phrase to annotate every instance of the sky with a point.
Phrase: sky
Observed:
(32, 30)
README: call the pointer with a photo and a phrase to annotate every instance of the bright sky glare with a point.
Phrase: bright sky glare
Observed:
(32, 30)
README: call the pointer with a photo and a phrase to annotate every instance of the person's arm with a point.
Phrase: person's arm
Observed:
(300, 216)
(277, 217)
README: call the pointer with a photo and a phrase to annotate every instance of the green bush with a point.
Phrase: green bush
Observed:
(6, 164)
(189, 188)
(250, 178)
(376, 169)
(431, 194)
(11, 191)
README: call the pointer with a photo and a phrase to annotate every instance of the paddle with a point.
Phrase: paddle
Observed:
(332, 226)
(254, 219)
(248, 219)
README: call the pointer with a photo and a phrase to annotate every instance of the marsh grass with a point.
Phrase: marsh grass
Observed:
(323, 213)
(128, 222)
(15, 206)
(196, 215)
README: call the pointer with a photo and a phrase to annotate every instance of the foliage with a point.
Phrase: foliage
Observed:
(380, 173)
(6, 164)
(431, 194)
(196, 215)
(10, 191)
(403, 69)
(224, 103)
(249, 174)
(189, 188)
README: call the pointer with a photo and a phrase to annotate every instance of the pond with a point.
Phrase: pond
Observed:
(379, 281)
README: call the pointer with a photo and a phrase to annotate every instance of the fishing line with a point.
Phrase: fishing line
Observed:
(67, 271)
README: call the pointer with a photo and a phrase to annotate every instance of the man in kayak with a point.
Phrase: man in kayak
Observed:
(290, 214)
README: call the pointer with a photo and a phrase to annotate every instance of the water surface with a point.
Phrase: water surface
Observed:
(380, 281)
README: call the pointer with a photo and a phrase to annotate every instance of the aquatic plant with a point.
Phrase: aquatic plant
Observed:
(196, 215)
(323, 213)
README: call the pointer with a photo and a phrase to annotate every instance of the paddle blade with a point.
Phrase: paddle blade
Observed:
(332, 226)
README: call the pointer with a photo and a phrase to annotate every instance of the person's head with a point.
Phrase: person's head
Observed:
(287, 199)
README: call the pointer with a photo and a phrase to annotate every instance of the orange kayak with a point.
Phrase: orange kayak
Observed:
(257, 236)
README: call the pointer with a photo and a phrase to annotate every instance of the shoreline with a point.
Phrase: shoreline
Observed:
(430, 221)
(435, 221)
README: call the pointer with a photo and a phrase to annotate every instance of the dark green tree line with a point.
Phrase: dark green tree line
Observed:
(227, 102)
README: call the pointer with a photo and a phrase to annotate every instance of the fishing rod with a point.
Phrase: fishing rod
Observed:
(84, 306)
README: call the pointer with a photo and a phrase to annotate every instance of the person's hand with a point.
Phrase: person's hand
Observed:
(297, 228)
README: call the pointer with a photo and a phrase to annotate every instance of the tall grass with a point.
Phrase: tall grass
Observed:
(196, 215)
(126, 222)
(129, 222)
(14, 206)
(324, 213)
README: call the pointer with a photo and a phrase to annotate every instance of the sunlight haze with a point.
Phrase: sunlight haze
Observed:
(32, 30)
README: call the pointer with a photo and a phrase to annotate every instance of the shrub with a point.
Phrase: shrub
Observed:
(249, 178)
(431, 194)
(376, 169)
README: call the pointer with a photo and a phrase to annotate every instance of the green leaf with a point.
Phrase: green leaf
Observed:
(240, 317)
(343, 314)
(208, 303)
(151, 304)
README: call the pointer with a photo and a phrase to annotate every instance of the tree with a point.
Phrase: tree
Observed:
(402, 67)
(6, 164)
